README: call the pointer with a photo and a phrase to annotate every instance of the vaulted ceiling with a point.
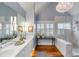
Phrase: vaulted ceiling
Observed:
(38, 6)
(75, 10)
(29, 6)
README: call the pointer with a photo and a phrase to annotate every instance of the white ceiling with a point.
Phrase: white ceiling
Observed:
(40, 5)
(75, 10)
(29, 6)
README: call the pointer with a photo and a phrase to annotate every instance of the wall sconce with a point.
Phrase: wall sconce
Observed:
(20, 28)
(30, 28)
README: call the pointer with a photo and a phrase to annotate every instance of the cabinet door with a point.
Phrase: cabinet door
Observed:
(21, 54)
(28, 49)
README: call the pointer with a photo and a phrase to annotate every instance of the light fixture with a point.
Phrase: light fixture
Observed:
(30, 28)
(20, 28)
(64, 6)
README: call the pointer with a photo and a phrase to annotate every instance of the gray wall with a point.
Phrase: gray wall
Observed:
(75, 34)
(15, 6)
(30, 19)
(6, 11)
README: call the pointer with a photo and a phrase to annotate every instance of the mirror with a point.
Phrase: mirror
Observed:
(9, 22)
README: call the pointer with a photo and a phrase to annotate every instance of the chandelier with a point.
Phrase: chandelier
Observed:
(64, 6)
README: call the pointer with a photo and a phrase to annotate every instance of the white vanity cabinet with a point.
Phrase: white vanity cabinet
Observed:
(26, 51)
(20, 54)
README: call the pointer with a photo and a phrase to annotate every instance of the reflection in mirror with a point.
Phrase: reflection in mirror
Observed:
(9, 22)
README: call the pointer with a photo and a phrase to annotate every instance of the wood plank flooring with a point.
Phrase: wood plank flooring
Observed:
(48, 50)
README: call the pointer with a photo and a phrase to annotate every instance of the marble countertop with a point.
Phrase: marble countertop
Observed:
(10, 50)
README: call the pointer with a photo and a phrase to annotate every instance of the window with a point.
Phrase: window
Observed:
(38, 28)
(46, 29)
(0, 29)
(51, 29)
(7, 29)
(13, 26)
(62, 27)
(42, 28)
(67, 26)
(0, 26)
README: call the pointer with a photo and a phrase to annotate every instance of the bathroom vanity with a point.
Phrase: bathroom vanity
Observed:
(24, 50)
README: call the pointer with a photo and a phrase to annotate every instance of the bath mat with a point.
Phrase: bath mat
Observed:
(41, 54)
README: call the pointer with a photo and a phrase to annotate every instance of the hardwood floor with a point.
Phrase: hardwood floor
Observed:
(47, 51)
